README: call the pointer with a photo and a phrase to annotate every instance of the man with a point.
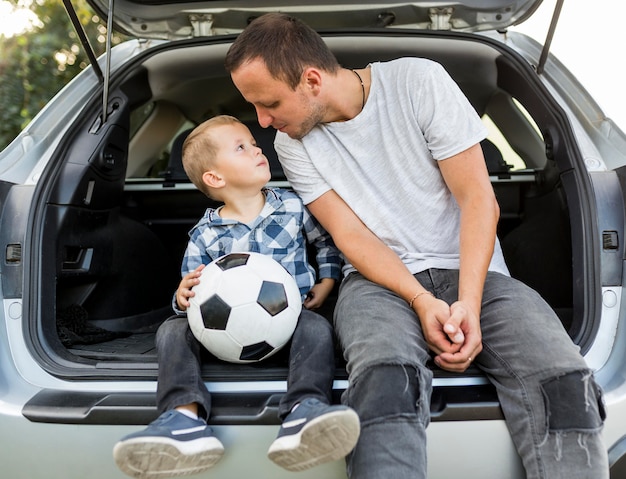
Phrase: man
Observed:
(387, 158)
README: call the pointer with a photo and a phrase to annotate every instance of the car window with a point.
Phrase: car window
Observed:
(516, 135)
(498, 139)
(161, 160)
(139, 116)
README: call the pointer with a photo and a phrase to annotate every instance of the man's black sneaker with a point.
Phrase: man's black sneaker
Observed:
(313, 434)
(172, 445)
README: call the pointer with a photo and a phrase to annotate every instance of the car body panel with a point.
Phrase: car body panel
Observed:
(171, 20)
(72, 408)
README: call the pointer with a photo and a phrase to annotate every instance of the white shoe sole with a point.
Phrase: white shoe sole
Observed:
(160, 457)
(327, 438)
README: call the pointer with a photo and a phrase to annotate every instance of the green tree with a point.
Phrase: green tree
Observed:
(35, 65)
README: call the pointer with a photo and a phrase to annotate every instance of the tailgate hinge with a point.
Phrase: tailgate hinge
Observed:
(202, 24)
(440, 18)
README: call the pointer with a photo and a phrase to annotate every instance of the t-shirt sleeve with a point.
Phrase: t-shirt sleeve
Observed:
(449, 122)
(302, 174)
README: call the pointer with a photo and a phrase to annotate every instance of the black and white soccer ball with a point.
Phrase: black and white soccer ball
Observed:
(245, 307)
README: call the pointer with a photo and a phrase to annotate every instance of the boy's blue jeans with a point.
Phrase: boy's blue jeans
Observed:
(311, 365)
(551, 403)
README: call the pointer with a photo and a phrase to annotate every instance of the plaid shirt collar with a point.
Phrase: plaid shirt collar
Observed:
(272, 203)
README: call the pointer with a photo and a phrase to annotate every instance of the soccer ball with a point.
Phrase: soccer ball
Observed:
(245, 307)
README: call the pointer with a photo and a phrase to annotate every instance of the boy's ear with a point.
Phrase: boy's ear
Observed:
(213, 179)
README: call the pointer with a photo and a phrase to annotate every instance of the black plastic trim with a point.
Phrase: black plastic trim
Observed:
(450, 403)
(617, 459)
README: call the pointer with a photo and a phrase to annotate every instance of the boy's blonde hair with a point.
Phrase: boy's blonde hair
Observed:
(200, 149)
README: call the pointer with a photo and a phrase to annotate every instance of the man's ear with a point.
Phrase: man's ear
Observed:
(213, 179)
(313, 79)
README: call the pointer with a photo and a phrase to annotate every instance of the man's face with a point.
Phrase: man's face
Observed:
(294, 112)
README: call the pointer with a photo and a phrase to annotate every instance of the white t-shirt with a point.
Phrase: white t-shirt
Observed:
(383, 162)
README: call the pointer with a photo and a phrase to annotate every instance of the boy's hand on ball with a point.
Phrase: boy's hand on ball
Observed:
(184, 291)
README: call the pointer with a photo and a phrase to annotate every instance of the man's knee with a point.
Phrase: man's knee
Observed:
(573, 402)
(393, 390)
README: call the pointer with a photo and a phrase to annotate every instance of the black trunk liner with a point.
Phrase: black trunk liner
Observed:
(123, 349)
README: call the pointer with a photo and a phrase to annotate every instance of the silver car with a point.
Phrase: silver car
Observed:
(95, 211)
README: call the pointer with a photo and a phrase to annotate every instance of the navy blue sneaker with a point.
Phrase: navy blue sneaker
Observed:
(313, 434)
(172, 445)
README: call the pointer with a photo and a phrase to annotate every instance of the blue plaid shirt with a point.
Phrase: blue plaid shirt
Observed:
(279, 231)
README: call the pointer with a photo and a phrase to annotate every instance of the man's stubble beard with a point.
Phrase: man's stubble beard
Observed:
(314, 118)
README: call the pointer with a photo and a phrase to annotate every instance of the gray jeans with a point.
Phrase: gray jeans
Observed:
(551, 403)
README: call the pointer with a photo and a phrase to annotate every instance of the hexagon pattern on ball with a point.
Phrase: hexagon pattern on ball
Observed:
(245, 308)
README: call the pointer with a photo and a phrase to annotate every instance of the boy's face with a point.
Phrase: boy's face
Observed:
(294, 112)
(239, 162)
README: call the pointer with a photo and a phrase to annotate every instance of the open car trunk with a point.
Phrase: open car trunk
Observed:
(116, 210)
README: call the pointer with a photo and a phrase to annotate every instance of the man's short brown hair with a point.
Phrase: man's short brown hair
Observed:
(285, 44)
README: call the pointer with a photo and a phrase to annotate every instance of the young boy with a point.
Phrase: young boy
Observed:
(222, 160)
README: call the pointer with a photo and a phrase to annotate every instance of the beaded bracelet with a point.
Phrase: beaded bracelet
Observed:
(417, 296)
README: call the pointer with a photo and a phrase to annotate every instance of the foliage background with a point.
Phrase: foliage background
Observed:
(36, 64)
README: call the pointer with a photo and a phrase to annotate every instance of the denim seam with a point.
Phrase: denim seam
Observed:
(354, 374)
(487, 349)
(402, 417)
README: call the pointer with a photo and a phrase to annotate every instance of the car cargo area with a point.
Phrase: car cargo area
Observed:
(118, 206)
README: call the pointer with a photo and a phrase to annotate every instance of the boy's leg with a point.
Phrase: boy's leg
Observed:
(315, 431)
(180, 378)
(311, 362)
(174, 444)
(553, 407)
